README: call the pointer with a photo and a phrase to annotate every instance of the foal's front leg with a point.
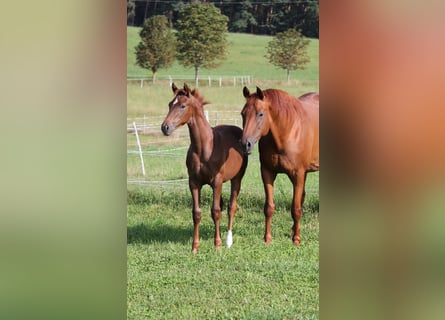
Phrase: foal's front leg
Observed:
(195, 190)
(216, 212)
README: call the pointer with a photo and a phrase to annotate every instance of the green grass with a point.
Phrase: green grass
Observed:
(250, 280)
(245, 57)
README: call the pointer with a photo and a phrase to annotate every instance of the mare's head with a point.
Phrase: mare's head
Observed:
(255, 119)
(181, 108)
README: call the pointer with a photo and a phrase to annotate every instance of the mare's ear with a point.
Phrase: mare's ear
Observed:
(259, 93)
(246, 92)
(174, 87)
(187, 89)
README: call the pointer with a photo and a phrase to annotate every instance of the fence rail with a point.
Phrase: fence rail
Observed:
(203, 80)
(152, 124)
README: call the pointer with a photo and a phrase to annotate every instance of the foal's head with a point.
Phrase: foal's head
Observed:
(255, 118)
(181, 108)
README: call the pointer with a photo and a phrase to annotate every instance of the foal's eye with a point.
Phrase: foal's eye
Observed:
(183, 106)
(260, 114)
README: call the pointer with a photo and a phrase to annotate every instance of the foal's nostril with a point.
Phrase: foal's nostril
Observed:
(164, 129)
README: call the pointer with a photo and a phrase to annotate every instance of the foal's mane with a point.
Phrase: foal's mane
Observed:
(195, 93)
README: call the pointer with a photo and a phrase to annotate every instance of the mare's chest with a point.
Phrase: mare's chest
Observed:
(281, 161)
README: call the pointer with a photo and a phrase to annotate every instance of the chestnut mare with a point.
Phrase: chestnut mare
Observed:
(214, 156)
(287, 130)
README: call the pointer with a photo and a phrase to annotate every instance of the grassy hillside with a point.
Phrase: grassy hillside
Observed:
(245, 57)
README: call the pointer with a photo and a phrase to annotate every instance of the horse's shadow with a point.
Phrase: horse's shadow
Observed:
(146, 233)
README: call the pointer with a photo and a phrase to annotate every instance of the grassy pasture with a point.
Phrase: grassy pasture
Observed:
(245, 56)
(249, 280)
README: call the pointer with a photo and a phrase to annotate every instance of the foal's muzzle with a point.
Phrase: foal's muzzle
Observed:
(167, 129)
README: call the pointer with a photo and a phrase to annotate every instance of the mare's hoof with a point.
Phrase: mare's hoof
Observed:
(268, 238)
(195, 247)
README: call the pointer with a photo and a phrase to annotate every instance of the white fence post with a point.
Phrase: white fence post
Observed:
(210, 81)
(206, 114)
(220, 82)
(142, 83)
(140, 149)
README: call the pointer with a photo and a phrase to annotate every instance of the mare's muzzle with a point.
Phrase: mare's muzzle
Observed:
(247, 145)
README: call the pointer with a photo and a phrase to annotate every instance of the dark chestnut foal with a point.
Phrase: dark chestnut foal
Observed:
(214, 156)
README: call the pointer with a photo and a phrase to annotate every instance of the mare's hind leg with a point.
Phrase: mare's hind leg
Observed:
(216, 211)
(297, 204)
(235, 186)
(269, 205)
(196, 213)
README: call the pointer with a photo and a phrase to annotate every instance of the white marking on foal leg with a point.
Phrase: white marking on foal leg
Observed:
(229, 240)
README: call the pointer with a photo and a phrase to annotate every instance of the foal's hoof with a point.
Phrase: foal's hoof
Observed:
(267, 238)
(229, 239)
(195, 247)
(296, 240)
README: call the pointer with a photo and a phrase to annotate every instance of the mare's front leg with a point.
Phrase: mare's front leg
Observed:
(269, 205)
(195, 190)
(297, 204)
(216, 210)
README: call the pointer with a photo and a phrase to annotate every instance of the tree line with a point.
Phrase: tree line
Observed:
(267, 17)
(200, 41)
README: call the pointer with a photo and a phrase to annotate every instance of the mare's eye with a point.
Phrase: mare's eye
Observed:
(260, 114)
(183, 106)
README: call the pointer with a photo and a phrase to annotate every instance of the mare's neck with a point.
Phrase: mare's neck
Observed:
(201, 134)
(282, 123)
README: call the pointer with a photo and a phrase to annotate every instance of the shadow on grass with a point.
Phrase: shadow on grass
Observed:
(143, 233)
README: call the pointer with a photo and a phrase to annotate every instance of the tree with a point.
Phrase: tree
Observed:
(131, 12)
(288, 50)
(201, 35)
(157, 47)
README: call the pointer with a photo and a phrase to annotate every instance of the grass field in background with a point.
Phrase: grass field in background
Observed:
(245, 57)
(250, 280)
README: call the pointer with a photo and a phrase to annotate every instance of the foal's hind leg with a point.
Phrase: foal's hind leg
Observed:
(231, 209)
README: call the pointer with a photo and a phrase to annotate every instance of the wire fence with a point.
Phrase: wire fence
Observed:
(157, 154)
(146, 125)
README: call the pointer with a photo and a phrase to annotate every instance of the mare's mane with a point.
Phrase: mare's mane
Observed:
(283, 104)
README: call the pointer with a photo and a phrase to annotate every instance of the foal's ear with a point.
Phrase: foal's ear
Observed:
(259, 93)
(174, 87)
(187, 89)
(246, 92)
